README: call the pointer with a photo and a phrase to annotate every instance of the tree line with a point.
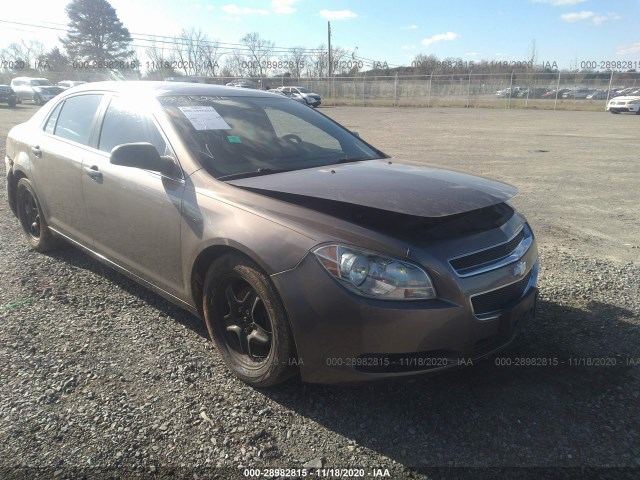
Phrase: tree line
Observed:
(96, 38)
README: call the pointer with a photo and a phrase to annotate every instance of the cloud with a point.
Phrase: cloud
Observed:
(337, 14)
(233, 9)
(440, 37)
(600, 19)
(413, 26)
(283, 6)
(631, 49)
(559, 3)
(593, 18)
(471, 54)
(576, 16)
(407, 47)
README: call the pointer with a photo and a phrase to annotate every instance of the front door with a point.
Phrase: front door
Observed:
(134, 213)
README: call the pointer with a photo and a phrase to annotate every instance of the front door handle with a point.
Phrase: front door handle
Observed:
(36, 151)
(93, 172)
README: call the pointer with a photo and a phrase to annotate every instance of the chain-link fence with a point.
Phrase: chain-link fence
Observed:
(539, 91)
(566, 91)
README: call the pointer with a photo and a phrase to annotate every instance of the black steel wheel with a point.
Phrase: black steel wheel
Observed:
(247, 321)
(31, 218)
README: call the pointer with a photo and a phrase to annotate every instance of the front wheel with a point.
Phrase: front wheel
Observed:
(37, 100)
(247, 322)
(613, 111)
(12, 103)
(31, 219)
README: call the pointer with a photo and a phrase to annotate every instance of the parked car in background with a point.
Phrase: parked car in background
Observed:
(532, 92)
(310, 98)
(598, 95)
(578, 93)
(7, 95)
(37, 90)
(290, 95)
(301, 246)
(556, 93)
(625, 104)
(70, 83)
(509, 92)
(243, 83)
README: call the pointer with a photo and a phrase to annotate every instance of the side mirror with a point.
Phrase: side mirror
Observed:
(142, 155)
(355, 133)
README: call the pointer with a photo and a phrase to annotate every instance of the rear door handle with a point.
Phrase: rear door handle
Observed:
(93, 172)
(36, 151)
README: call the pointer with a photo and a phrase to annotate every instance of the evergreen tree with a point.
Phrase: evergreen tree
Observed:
(95, 32)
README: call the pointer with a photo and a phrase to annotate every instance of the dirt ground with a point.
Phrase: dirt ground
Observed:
(578, 172)
(99, 375)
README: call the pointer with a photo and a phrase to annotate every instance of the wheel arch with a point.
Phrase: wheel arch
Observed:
(12, 187)
(206, 257)
(204, 260)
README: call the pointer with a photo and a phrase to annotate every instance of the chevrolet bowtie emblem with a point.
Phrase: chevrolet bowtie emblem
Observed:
(519, 269)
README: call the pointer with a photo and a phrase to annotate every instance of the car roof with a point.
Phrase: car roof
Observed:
(156, 89)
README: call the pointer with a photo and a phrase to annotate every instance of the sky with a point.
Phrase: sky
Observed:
(567, 32)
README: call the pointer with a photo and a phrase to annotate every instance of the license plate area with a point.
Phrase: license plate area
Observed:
(513, 318)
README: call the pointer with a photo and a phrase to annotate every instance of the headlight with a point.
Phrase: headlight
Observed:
(373, 275)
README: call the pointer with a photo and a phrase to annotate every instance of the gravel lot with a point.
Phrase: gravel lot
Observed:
(102, 378)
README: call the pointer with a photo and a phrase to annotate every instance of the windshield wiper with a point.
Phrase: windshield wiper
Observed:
(254, 173)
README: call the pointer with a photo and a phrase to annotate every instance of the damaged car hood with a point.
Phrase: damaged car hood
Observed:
(402, 188)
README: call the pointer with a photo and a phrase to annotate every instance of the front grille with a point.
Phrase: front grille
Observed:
(496, 300)
(468, 263)
(4, 90)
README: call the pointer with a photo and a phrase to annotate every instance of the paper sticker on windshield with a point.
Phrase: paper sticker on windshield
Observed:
(204, 118)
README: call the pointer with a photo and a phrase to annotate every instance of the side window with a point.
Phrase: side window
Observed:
(123, 124)
(53, 118)
(75, 119)
(284, 123)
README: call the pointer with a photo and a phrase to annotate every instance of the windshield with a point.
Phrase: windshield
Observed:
(303, 90)
(245, 136)
(43, 83)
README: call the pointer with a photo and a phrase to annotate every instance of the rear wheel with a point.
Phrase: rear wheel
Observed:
(247, 322)
(30, 215)
(613, 111)
(12, 103)
(38, 101)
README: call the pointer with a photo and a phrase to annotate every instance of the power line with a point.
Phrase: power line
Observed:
(169, 40)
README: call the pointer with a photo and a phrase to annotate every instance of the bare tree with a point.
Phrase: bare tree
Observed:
(195, 54)
(160, 62)
(259, 52)
(296, 61)
(28, 52)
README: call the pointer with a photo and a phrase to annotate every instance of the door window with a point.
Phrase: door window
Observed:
(75, 119)
(122, 124)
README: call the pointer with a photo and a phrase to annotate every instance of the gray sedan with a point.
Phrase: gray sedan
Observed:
(303, 248)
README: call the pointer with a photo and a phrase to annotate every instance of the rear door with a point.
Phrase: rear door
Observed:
(134, 213)
(57, 164)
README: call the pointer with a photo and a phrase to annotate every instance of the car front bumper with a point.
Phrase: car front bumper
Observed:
(6, 98)
(345, 338)
(624, 109)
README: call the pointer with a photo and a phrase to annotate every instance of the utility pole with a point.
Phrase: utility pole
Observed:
(329, 43)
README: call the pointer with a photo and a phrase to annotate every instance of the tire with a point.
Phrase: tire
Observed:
(31, 219)
(37, 100)
(12, 103)
(247, 322)
(616, 113)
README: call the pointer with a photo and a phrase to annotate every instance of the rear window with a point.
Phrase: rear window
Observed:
(76, 118)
